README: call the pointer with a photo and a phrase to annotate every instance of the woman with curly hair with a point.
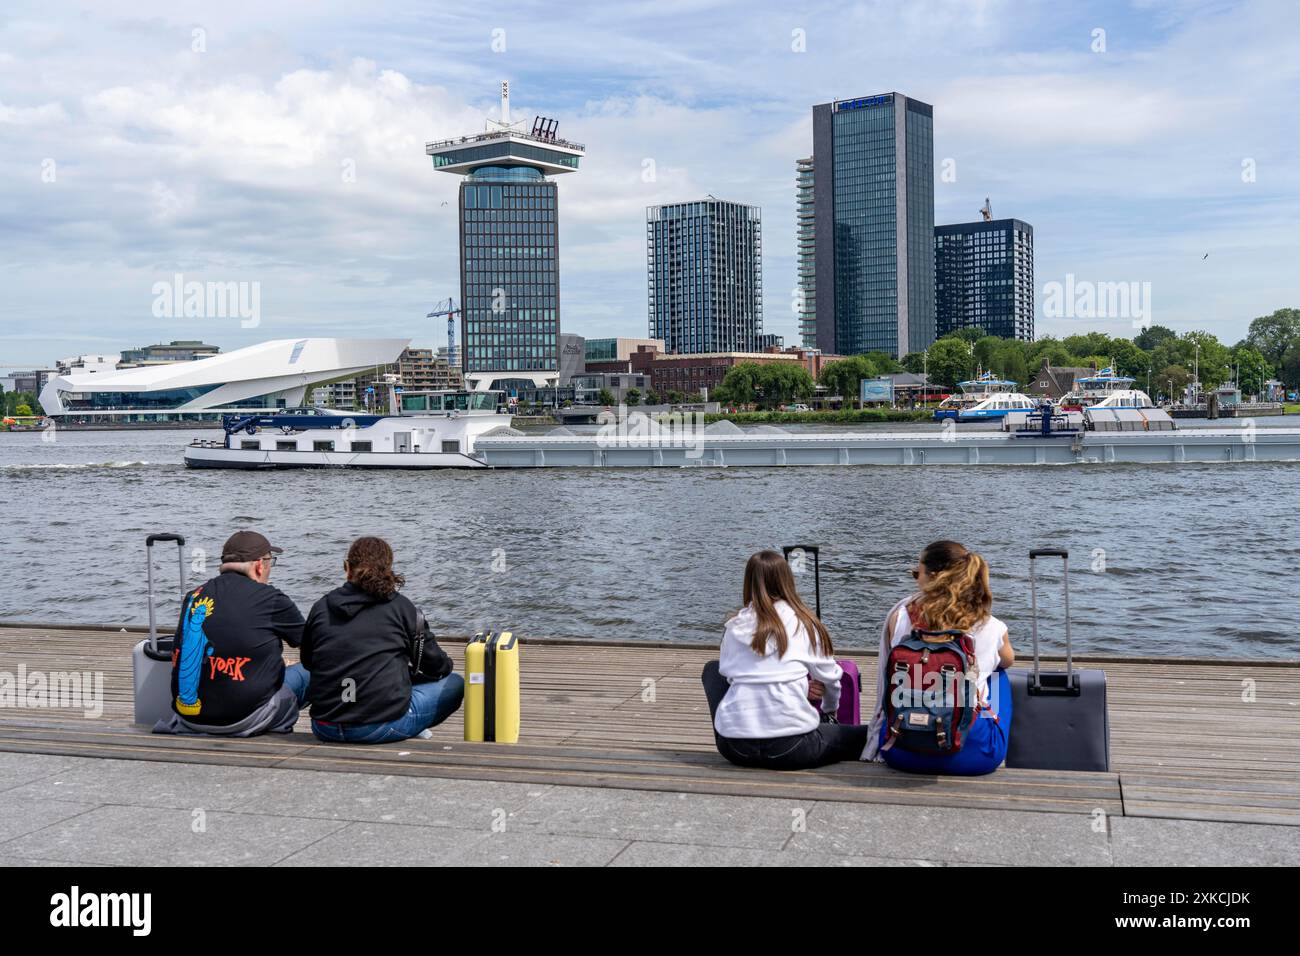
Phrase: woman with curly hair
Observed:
(953, 593)
(372, 681)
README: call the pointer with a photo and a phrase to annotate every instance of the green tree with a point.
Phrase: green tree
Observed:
(653, 398)
(632, 397)
(1011, 361)
(1274, 335)
(739, 385)
(1251, 369)
(781, 383)
(842, 376)
(1213, 359)
(985, 351)
(675, 397)
(883, 363)
(1052, 351)
(1091, 343)
(971, 335)
(950, 362)
(1172, 381)
(1289, 372)
(1152, 336)
(1129, 359)
(606, 397)
(23, 410)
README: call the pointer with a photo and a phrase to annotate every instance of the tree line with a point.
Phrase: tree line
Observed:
(19, 403)
(1160, 360)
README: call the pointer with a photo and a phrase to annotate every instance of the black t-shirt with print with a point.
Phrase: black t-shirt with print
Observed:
(228, 658)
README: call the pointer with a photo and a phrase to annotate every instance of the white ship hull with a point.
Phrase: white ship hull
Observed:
(218, 457)
(304, 439)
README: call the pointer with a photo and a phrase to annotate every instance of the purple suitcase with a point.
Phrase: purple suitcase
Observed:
(850, 711)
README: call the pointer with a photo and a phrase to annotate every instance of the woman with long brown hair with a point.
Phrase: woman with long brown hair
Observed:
(376, 674)
(775, 656)
(953, 593)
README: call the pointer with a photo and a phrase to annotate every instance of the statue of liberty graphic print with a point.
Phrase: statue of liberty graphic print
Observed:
(193, 650)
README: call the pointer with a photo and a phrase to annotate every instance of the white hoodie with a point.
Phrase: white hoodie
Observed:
(768, 696)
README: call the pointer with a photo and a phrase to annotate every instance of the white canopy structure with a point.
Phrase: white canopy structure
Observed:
(271, 375)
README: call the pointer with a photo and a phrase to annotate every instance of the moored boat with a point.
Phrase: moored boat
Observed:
(1107, 389)
(998, 405)
(973, 392)
(435, 429)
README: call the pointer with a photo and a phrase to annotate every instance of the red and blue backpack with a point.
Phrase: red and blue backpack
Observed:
(930, 686)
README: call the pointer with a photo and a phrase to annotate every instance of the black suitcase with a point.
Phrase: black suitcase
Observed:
(1059, 719)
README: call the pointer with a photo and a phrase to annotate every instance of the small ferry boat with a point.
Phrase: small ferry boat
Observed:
(973, 392)
(1106, 389)
(998, 405)
(434, 429)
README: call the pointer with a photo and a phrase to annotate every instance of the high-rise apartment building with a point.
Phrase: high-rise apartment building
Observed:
(705, 275)
(984, 277)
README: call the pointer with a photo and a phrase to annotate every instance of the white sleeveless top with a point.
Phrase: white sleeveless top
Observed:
(987, 637)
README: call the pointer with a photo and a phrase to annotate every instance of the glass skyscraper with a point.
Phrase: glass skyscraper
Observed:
(705, 276)
(509, 251)
(984, 277)
(874, 225)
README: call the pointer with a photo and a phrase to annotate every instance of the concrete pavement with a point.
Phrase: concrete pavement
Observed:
(84, 811)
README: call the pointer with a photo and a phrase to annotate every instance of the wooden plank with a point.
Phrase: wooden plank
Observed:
(578, 766)
(1184, 743)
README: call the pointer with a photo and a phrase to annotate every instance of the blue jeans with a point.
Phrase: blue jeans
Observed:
(985, 747)
(432, 702)
(296, 678)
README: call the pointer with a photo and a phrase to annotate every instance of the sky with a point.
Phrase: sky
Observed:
(282, 145)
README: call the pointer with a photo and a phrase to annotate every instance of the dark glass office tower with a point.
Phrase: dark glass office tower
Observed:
(705, 276)
(984, 277)
(509, 251)
(874, 224)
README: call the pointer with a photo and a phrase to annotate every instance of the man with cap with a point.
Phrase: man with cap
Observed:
(228, 673)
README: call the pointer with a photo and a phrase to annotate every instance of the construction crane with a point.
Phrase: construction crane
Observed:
(448, 308)
(987, 210)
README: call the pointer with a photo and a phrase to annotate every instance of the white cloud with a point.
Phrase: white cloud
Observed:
(292, 150)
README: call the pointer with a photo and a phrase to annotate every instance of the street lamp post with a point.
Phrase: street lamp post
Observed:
(925, 374)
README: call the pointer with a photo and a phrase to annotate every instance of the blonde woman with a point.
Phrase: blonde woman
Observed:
(776, 659)
(953, 593)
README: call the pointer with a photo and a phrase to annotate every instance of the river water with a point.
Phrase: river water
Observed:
(1188, 560)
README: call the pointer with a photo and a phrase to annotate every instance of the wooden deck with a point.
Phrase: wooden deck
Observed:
(1184, 743)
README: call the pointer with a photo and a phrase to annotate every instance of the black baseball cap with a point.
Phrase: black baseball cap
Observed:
(247, 546)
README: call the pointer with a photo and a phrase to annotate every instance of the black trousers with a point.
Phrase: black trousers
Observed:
(828, 743)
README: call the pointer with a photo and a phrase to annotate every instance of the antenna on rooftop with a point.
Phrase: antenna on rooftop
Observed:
(504, 122)
(986, 210)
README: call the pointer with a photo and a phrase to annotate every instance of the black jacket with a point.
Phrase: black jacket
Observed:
(357, 648)
(228, 658)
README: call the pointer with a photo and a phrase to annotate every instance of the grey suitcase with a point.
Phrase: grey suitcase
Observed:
(1058, 719)
(151, 659)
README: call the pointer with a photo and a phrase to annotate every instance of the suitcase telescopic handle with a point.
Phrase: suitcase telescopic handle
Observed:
(148, 563)
(1064, 555)
(815, 551)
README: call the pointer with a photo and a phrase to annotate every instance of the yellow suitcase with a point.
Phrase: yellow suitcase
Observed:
(492, 688)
